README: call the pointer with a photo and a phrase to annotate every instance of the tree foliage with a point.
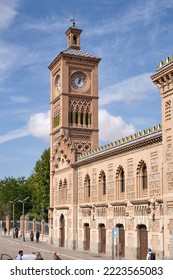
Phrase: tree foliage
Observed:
(12, 190)
(40, 182)
(36, 187)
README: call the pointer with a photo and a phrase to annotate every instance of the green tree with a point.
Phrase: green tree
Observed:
(39, 182)
(13, 189)
(37, 187)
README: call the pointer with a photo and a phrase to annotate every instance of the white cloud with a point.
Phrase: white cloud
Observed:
(8, 12)
(13, 134)
(19, 99)
(39, 125)
(10, 57)
(135, 88)
(145, 12)
(113, 128)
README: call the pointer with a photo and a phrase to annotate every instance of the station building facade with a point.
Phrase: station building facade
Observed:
(127, 184)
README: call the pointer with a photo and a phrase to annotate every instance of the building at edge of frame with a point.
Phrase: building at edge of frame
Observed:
(126, 184)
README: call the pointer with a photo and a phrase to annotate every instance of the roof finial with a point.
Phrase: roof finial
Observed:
(73, 19)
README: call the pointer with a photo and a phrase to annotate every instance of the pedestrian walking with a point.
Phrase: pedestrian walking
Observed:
(37, 236)
(5, 231)
(56, 257)
(148, 254)
(39, 256)
(16, 232)
(31, 236)
(19, 256)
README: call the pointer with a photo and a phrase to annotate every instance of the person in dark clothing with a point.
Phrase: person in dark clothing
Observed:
(31, 236)
(56, 257)
(16, 232)
(37, 236)
(5, 231)
(19, 256)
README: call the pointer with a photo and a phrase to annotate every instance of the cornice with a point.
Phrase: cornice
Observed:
(101, 204)
(154, 138)
(84, 96)
(85, 205)
(84, 64)
(63, 207)
(162, 72)
(119, 203)
(140, 201)
(165, 63)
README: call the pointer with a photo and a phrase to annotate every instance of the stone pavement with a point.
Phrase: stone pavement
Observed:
(11, 246)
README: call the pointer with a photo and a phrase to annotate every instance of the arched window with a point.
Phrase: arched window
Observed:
(65, 192)
(144, 184)
(102, 185)
(86, 118)
(76, 117)
(142, 180)
(74, 40)
(81, 118)
(120, 183)
(87, 189)
(70, 117)
(60, 192)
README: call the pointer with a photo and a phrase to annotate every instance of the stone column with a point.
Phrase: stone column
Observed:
(7, 222)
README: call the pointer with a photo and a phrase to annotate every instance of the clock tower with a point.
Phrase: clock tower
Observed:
(74, 97)
(74, 129)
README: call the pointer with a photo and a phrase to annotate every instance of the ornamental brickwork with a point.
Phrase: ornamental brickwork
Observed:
(126, 184)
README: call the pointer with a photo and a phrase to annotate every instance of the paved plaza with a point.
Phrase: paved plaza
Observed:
(12, 246)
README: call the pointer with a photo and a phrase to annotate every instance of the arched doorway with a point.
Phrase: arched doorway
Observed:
(121, 239)
(142, 242)
(62, 231)
(86, 237)
(102, 239)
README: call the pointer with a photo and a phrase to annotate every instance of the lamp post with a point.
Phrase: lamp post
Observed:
(42, 213)
(153, 207)
(23, 231)
(13, 202)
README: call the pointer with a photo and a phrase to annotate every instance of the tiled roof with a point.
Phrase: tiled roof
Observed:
(126, 140)
(78, 53)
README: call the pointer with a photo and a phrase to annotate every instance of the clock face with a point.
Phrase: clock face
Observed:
(58, 84)
(78, 80)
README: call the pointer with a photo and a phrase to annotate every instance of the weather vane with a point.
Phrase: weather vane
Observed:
(73, 19)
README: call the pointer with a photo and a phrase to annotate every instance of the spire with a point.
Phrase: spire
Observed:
(74, 19)
(73, 35)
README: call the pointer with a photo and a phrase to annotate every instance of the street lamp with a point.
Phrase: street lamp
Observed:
(13, 202)
(42, 213)
(23, 201)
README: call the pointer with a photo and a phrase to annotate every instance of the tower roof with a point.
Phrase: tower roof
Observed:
(72, 51)
(73, 45)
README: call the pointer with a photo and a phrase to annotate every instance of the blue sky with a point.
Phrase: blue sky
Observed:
(131, 37)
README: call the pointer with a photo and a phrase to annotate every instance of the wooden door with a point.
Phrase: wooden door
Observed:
(102, 239)
(62, 237)
(87, 239)
(62, 231)
(143, 242)
(121, 241)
